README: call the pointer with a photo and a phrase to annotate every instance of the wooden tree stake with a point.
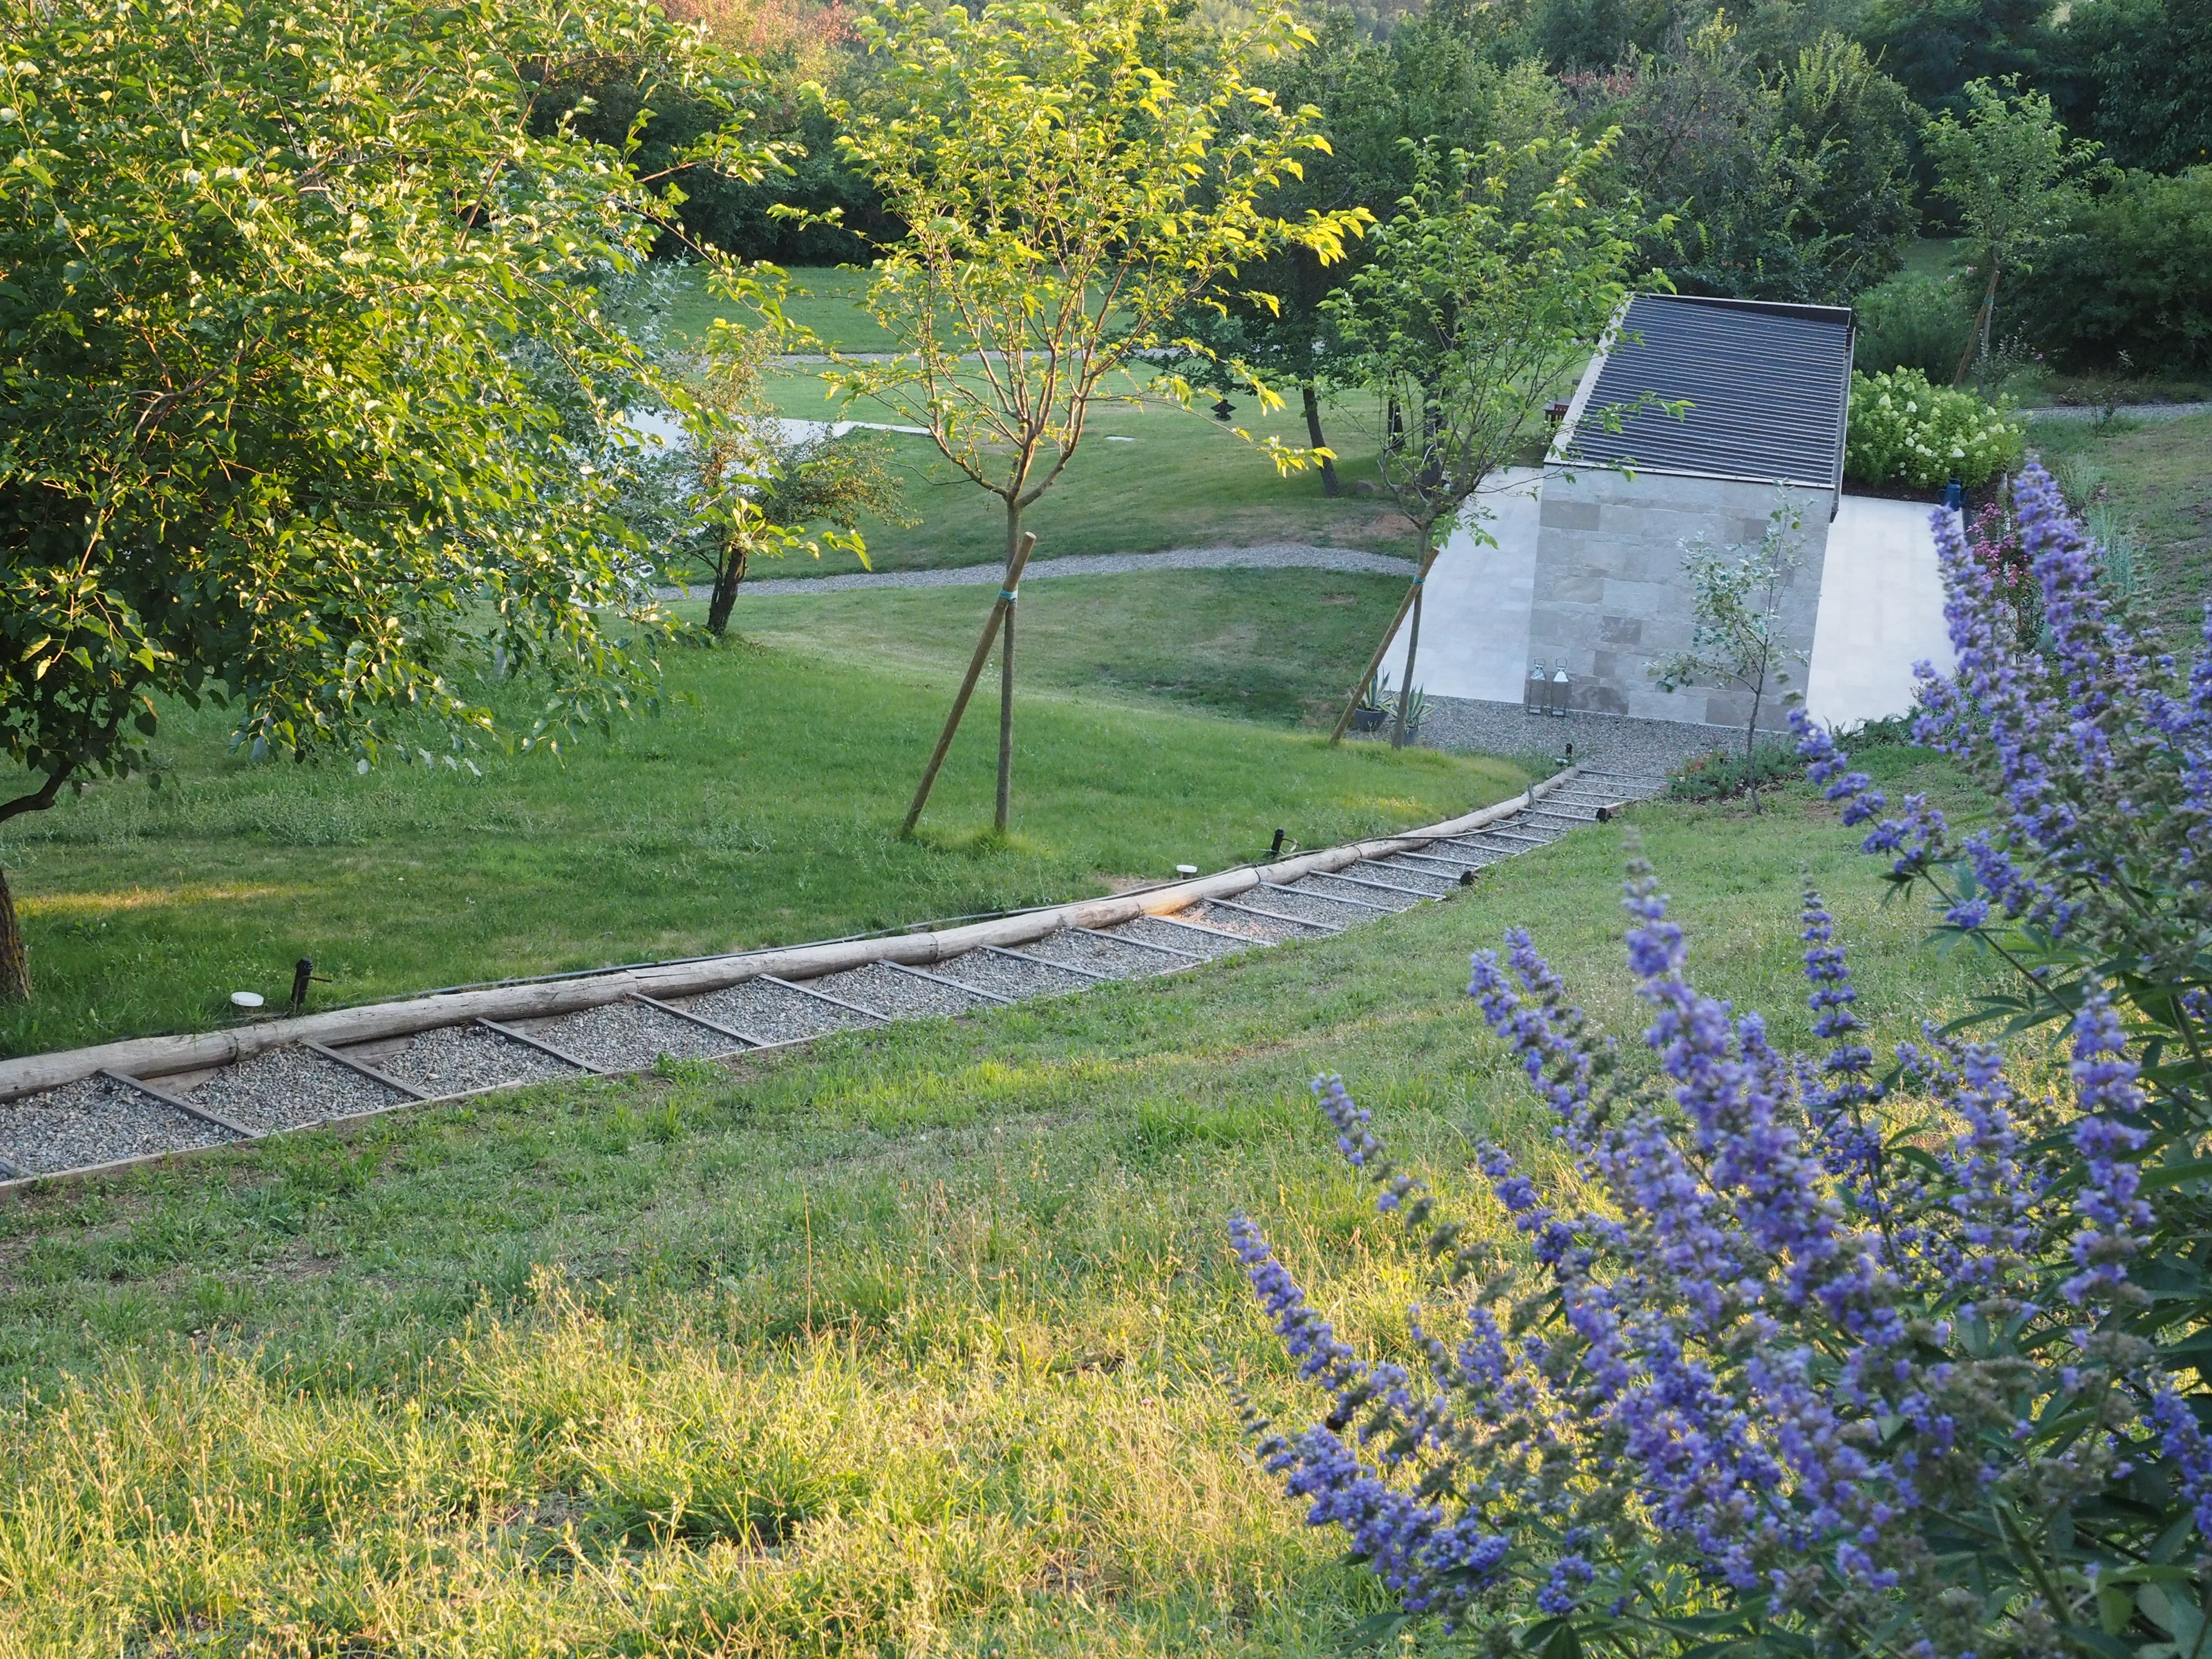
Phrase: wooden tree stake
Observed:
(1367, 679)
(1002, 612)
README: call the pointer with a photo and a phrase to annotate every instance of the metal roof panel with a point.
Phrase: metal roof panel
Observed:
(1767, 386)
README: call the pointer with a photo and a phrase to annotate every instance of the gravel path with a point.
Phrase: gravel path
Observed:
(1274, 555)
(2126, 412)
(775, 1014)
(1329, 886)
(1204, 945)
(1306, 907)
(1427, 878)
(902, 996)
(289, 1089)
(95, 1121)
(1266, 929)
(1010, 976)
(1100, 955)
(631, 1035)
(461, 1059)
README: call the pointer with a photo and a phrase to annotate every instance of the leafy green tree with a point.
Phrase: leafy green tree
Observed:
(1788, 186)
(2127, 279)
(1936, 48)
(1070, 178)
(2136, 76)
(1473, 319)
(303, 362)
(2015, 178)
(756, 486)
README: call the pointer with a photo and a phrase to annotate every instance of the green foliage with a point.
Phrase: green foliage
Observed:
(301, 343)
(1936, 48)
(1784, 187)
(2129, 282)
(1916, 319)
(1472, 315)
(1068, 181)
(2015, 177)
(1722, 774)
(1903, 430)
(2136, 76)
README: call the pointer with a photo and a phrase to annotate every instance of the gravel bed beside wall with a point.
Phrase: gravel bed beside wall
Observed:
(1612, 743)
(629, 1036)
(459, 1058)
(289, 1089)
(95, 1121)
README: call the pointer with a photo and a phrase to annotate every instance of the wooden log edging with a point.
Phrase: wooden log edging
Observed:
(158, 1056)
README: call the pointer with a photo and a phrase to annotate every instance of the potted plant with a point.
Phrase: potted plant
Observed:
(1375, 707)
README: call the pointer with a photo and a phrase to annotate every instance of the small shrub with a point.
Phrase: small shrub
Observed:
(1721, 774)
(2128, 281)
(1914, 320)
(1903, 430)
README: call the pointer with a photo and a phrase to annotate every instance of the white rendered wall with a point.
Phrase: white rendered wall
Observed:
(1474, 613)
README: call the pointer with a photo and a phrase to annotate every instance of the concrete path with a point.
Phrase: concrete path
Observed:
(1276, 555)
(1881, 610)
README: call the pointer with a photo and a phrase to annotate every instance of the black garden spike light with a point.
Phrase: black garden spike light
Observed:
(303, 976)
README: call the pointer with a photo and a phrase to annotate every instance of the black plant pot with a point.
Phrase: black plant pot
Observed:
(1368, 720)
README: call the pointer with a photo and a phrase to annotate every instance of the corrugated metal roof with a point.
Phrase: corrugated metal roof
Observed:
(1767, 384)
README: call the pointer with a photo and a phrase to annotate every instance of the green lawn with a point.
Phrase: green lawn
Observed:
(915, 1342)
(1183, 479)
(760, 810)
(2157, 475)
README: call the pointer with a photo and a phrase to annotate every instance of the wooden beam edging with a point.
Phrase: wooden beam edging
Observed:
(158, 1056)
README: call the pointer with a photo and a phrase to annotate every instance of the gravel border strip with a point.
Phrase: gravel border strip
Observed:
(1272, 556)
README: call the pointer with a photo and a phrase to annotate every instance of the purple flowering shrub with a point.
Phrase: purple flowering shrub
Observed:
(1809, 1357)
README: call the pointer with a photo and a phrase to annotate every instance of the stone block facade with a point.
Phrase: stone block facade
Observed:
(1611, 597)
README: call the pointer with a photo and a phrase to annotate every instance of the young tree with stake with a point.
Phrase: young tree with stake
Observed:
(1472, 318)
(304, 368)
(1068, 178)
(1738, 641)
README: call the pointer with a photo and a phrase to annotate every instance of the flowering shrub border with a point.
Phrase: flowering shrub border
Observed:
(1827, 1362)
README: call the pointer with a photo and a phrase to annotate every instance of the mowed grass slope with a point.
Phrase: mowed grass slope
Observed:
(762, 810)
(920, 1342)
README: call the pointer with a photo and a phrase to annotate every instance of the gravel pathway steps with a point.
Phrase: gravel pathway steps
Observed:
(107, 1120)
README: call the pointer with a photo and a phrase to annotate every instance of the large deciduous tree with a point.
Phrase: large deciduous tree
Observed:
(1469, 319)
(301, 357)
(1069, 177)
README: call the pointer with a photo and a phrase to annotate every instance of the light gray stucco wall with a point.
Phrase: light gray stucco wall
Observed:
(1610, 597)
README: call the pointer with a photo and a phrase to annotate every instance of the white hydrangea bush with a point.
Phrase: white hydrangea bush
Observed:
(1903, 430)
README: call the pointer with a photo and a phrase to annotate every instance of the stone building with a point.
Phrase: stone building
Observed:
(1630, 485)
(1580, 568)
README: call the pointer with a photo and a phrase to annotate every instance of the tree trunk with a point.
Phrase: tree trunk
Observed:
(14, 965)
(1980, 336)
(1001, 816)
(724, 598)
(1329, 484)
(1413, 647)
(1750, 737)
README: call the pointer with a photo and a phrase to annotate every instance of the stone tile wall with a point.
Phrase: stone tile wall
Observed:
(1611, 599)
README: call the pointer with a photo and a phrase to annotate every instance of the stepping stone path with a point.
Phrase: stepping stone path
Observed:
(109, 1119)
